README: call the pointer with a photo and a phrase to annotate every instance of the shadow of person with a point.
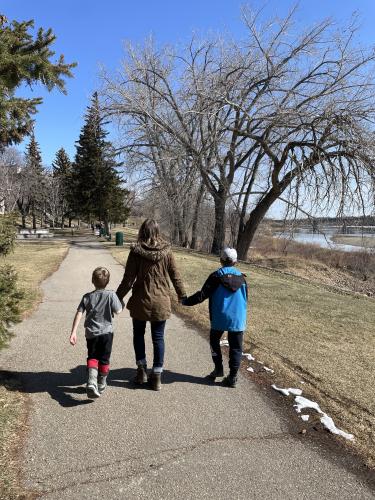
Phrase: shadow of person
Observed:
(66, 388)
(124, 377)
(59, 385)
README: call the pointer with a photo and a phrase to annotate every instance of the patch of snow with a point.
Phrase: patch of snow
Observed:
(224, 342)
(250, 369)
(260, 362)
(330, 425)
(302, 403)
(327, 422)
(248, 356)
(268, 369)
(301, 382)
(295, 392)
(287, 392)
(305, 418)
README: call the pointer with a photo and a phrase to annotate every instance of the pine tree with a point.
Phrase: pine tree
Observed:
(25, 60)
(62, 172)
(97, 186)
(35, 179)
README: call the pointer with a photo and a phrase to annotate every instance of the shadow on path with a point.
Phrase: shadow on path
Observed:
(60, 386)
(63, 386)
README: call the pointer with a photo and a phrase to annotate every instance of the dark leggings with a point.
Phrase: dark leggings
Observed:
(235, 340)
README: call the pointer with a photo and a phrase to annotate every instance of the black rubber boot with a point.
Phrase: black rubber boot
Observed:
(230, 381)
(217, 372)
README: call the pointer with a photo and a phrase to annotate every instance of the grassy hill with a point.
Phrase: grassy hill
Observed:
(305, 332)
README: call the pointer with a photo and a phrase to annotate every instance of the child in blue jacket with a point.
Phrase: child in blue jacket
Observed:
(226, 290)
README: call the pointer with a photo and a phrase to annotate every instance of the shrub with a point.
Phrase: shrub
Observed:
(10, 297)
(8, 233)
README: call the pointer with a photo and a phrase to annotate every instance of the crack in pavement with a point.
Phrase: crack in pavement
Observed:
(176, 453)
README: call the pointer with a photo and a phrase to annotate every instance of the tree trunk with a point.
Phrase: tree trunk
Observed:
(194, 229)
(219, 230)
(23, 217)
(70, 222)
(62, 222)
(106, 226)
(247, 232)
(33, 216)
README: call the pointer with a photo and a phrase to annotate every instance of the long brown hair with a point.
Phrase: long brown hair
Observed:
(149, 233)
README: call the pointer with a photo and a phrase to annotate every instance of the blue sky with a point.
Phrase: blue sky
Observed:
(92, 34)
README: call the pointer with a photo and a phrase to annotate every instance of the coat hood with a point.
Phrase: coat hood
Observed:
(231, 278)
(154, 254)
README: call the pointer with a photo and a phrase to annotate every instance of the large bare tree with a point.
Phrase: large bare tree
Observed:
(282, 115)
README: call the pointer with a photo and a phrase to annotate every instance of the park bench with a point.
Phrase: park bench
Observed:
(34, 233)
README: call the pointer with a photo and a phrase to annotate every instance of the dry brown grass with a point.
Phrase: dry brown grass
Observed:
(367, 242)
(307, 332)
(33, 261)
(353, 271)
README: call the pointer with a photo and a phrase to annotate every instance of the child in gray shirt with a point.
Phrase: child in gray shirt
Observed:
(100, 306)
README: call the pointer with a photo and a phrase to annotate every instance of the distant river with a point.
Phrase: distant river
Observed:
(322, 240)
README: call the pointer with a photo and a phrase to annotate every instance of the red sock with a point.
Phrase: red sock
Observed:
(104, 369)
(92, 363)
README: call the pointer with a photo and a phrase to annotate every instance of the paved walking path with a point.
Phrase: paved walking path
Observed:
(189, 441)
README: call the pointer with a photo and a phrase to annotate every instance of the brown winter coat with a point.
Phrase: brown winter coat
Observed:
(146, 273)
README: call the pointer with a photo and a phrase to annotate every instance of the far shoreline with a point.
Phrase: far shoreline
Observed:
(355, 240)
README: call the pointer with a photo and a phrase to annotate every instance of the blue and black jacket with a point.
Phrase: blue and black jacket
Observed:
(226, 290)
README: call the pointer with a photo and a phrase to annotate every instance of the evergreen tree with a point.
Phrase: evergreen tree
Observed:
(62, 173)
(97, 186)
(35, 180)
(25, 60)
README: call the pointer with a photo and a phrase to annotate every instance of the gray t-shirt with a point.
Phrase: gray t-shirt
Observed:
(100, 305)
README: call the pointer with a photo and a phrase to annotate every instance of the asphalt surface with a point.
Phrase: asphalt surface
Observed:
(191, 440)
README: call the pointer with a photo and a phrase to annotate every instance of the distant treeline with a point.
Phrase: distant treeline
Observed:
(367, 220)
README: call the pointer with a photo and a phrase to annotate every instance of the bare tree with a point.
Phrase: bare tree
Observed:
(284, 115)
(11, 163)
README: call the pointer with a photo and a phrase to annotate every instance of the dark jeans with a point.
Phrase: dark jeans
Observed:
(235, 340)
(99, 348)
(157, 334)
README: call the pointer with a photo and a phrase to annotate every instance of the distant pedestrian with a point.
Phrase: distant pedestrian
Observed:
(100, 305)
(150, 263)
(226, 290)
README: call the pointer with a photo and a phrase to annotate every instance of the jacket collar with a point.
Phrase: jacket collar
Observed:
(154, 254)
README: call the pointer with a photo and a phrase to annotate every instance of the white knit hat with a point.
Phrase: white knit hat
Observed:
(229, 254)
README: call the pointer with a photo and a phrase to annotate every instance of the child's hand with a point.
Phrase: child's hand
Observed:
(73, 338)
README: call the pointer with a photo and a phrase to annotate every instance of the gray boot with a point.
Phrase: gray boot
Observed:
(154, 381)
(92, 384)
(102, 382)
(141, 377)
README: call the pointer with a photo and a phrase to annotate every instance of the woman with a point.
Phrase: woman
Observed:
(147, 269)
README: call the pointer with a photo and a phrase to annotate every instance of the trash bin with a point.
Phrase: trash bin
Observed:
(119, 239)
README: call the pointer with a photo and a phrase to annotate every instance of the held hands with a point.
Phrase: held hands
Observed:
(73, 338)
